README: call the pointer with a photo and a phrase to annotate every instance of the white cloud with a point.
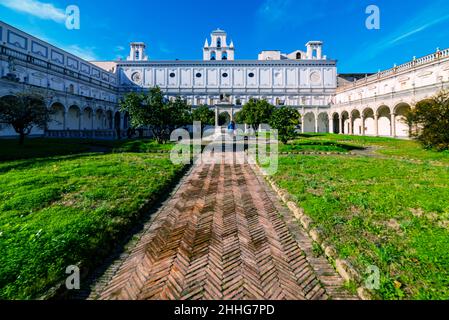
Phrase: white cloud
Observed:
(87, 53)
(119, 48)
(275, 10)
(46, 11)
(417, 30)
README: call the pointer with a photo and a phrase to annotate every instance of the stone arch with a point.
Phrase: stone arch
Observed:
(100, 119)
(336, 122)
(309, 122)
(57, 116)
(369, 121)
(323, 122)
(109, 122)
(224, 118)
(384, 120)
(7, 129)
(73, 118)
(401, 125)
(126, 121)
(87, 118)
(357, 125)
(117, 118)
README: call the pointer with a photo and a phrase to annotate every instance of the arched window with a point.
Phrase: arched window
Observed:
(137, 55)
(298, 55)
(71, 89)
(225, 56)
(218, 42)
(213, 55)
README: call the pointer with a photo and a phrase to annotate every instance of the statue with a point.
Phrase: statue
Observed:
(11, 75)
(11, 65)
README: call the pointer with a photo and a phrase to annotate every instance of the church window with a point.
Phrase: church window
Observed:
(137, 55)
(213, 56)
(199, 75)
(219, 43)
(225, 75)
(225, 56)
(172, 75)
(298, 55)
(251, 75)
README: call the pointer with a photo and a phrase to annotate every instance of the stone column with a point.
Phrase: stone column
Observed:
(331, 124)
(376, 125)
(363, 125)
(393, 125)
(80, 121)
(303, 125)
(351, 129)
(316, 124)
(122, 121)
(216, 117)
(319, 52)
(64, 122)
(342, 124)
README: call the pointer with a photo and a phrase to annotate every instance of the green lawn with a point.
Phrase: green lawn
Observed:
(387, 210)
(57, 210)
(38, 148)
(386, 146)
(317, 145)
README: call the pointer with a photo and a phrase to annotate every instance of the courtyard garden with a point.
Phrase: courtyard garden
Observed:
(385, 206)
(71, 202)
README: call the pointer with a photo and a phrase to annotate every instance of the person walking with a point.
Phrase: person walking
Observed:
(231, 128)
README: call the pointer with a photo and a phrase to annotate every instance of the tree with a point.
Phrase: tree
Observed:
(240, 117)
(153, 110)
(285, 119)
(223, 119)
(256, 112)
(431, 117)
(204, 115)
(24, 112)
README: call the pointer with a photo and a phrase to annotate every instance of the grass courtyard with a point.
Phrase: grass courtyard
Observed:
(387, 207)
(379, 201)
(63, 202)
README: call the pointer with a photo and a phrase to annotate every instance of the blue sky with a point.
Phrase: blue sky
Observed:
(175, 29)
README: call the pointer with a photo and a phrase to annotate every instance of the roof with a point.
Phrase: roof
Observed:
(218, 31)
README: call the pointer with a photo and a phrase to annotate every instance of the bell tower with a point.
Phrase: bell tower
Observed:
(218, 48)
(137, 52)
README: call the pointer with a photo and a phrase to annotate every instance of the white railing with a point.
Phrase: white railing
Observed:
(406, 66)
(84, 134)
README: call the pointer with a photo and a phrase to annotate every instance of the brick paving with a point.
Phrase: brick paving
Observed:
(222, 236)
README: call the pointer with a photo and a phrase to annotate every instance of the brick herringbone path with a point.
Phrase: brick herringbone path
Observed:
(221, 236)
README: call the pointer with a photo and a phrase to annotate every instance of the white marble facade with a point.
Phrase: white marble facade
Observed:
(86, 94)
(306, 81)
